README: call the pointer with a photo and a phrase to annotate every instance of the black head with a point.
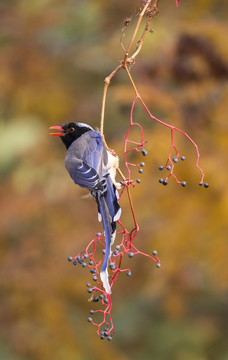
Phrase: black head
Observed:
(71, 132)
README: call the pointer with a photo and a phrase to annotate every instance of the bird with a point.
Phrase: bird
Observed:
(93, 167)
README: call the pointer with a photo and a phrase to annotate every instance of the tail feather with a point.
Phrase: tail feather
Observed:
(109, 212)
(111, 198)
(105, 281)
(108, 239)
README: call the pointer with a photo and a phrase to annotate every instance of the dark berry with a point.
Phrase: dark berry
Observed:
(84, 264)
(129, 273)
(106, 300)
(86, 256)
(96, 299)
(75, 262)
(103, 251)
(94, 278)
(165, 182)
(206, 185)
(183, 183)
(138, 181)
(101, 296)
(200, 183)
(117, 247)
(154, 252)
(168, 167)
(90, 319)
(70, 258)
(175, 159)
(112, 266)
(158, 265)
(93, 271)
(142, 164)
(91, 262)
(115, 252)
(92, 312)
(88, 284)
(98, 234)
(79, 260)
(140, 171)
(90, 291)
(161, 181)
(109, 338)
(102, 337)
(160, 167)
(144, 152)
(131, 254)
(182, 158)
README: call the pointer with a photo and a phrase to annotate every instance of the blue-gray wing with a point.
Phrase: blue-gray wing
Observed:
(84, 160)
(85, 176)
(93, 153)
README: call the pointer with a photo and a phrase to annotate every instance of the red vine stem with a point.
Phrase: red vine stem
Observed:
(171, 127)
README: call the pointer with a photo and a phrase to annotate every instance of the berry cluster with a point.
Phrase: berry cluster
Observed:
(171, 161)
(141, 165)
(92, 258)
(170, 167)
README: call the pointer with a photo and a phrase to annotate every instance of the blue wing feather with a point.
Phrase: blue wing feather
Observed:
(93, 152)
(85, 176)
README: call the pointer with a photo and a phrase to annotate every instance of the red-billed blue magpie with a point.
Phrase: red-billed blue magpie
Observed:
(91, 166)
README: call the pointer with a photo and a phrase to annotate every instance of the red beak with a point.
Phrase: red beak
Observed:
(62, 133)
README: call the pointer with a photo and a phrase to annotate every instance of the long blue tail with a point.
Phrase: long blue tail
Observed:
(107, 223)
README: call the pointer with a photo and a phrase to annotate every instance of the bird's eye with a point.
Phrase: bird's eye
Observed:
(71, 129)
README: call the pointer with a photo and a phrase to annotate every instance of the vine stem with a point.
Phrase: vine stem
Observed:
(126, 60)
(171, 127)
(141, 15)
(123, 65)
(106, 85)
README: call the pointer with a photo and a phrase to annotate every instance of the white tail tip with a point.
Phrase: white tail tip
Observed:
(104, 279)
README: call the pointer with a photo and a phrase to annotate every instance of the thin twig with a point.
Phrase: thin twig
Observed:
(107, 82)
(127, 60)
(141, 15)
(129, 198)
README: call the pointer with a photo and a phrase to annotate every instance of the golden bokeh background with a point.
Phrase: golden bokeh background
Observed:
(54, 58)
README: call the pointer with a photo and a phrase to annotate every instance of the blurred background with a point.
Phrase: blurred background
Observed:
(54, 57)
